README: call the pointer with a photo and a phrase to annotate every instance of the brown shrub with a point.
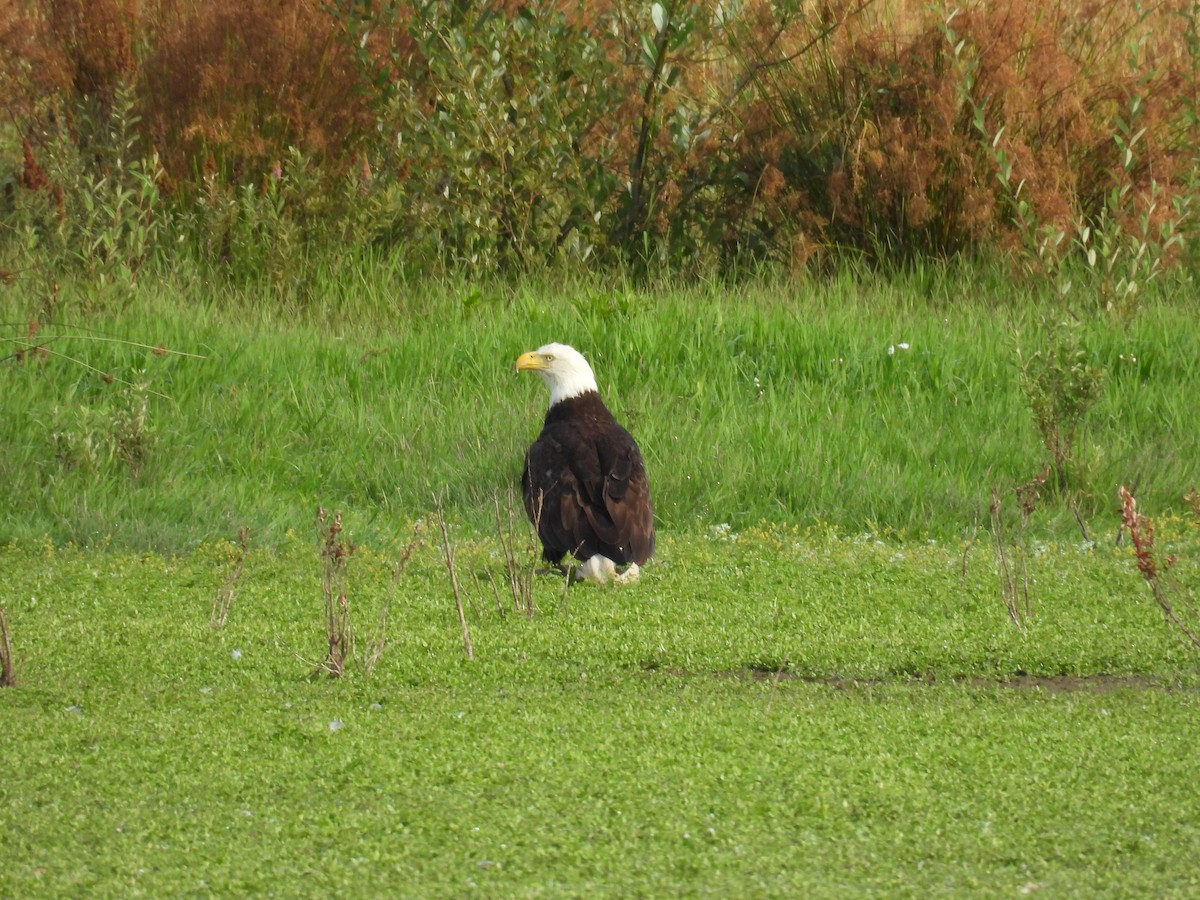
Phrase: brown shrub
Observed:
(888, 121)
(242, 82)
(892, 128)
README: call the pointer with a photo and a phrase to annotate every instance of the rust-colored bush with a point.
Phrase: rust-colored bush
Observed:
(64, 48)
(886, 118)
(242, 82)
(891, 130)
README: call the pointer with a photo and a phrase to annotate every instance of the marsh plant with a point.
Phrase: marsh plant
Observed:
(501, 136)
(345, 651)
(132, 434)
(222, 601)
(8, 674)
(91, 437)
(452, 570)
(1012, 547)
(1175, 604)
(519, 573)
(92, 204)
(1061, 385)
(335, 553)
(372, 652)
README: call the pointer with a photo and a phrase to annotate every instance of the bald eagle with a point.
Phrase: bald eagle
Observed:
(584, 482)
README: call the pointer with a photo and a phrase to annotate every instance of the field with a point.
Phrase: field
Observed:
(820, 686)
(898, 299)
(767, 713)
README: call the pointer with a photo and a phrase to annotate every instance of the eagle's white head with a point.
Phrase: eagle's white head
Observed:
(563, 369)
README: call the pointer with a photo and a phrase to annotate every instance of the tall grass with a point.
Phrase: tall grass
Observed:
(863, 403)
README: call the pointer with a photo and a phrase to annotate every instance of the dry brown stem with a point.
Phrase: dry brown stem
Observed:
(448, 555)
(1141, 534)
(8, 674)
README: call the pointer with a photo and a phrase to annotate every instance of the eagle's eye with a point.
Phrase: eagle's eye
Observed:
(549, 357)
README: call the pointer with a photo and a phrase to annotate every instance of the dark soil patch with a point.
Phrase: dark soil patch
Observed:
(1056, 684)
(1021, 681)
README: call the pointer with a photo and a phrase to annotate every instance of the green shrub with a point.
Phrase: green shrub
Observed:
(686, 136)
(91, 204)
(1061, 384)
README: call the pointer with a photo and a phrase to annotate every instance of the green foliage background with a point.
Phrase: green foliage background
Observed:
(697, 137)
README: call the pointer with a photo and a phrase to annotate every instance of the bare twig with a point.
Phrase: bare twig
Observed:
(776, 676)
(562, 603)
(156, 349)
(1087, 539)
(222, 601)
(8, 674)
(533, 554)
(334, 554)
(415, 542)
(520, 578)
(378, 642)
(373, 652)
(1009, 591)
(448, 553)
(500, 610)
(1014, 566)
(969, 541)
(108, 377)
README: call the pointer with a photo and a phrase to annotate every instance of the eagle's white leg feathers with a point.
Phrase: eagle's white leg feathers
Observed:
(600, 569)
(629, 576)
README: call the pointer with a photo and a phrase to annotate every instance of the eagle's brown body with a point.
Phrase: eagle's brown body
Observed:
(585, 485)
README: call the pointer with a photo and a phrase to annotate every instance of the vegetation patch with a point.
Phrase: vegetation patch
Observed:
(269, 141)
(854, 697)
(863, 403)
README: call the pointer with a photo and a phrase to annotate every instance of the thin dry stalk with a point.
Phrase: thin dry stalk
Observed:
(776, 676)
(1014, 566)
(334, 554)
(562, 602)
(448, 555)
(1087, 538)
(8, 674)
(373, 651)
(1013, 572)
(1141, 533)
(520, 578)
(500, 610)
(376, 645)
(478, 593)
(970, 538)
(222, 601)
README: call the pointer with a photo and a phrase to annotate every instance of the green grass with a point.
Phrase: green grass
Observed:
(815, 690)
(622, 742)
(776, 402)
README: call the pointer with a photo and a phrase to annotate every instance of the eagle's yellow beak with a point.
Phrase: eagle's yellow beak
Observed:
(530, 361)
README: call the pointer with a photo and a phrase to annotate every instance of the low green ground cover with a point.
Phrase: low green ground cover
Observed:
(769, 712)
